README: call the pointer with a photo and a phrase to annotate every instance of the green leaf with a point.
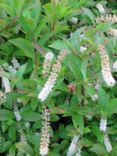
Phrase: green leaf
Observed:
(12, 132)
(58, 44)
(8, 9)
(75, 40)
(25, 148)
(97, 132)
(19, 7)
(112, 106)
(21, 71)
(74, 64)
(103, 100)
(89, 13)
(103, 27)
(78, 122)
(28, 115)
(34, 103)
(24, 45)
(5, 146)
(99, 150)
(84, 69)
(6, 115)
(40, 27)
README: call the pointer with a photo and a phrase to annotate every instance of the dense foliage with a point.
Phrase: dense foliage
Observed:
(58, 77)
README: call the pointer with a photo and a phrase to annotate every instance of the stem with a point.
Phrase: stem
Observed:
(39, 48)
(35, 58)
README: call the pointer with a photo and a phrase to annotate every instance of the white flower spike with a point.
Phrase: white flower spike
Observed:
(103, 124)
(43, 95)
(73, 146)
(106, 71)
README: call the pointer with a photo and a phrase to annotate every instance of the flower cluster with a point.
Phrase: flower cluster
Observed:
(5, 81)
(45, 136)
(47, 64)
(52, 78)
(106, 71)
(107, 18)
(73, 146)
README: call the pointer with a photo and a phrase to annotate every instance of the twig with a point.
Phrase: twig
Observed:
(39, 49)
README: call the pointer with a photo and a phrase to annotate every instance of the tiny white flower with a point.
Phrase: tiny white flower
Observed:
(107, 143)
(100, 7)
(89, 117)
(19, 100)
(115, 65)
(17, 115)
(27, 124)
(49, 56)
(81, 36)
(15, 63)
(103, 124)
(94, 97)
(82, 49)
(74, 20)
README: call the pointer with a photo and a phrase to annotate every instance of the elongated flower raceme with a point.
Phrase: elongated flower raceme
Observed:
(107, 143)
(103, 124)
(47, 64)
(16, 113)
(107, 18)
(5, 81)
(6, 84)
(73, 146)
(2, 97)
(106, 71)
(103, 128)
(45, 136)
(43, 95)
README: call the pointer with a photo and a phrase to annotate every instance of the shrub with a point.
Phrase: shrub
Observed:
(58, 74)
